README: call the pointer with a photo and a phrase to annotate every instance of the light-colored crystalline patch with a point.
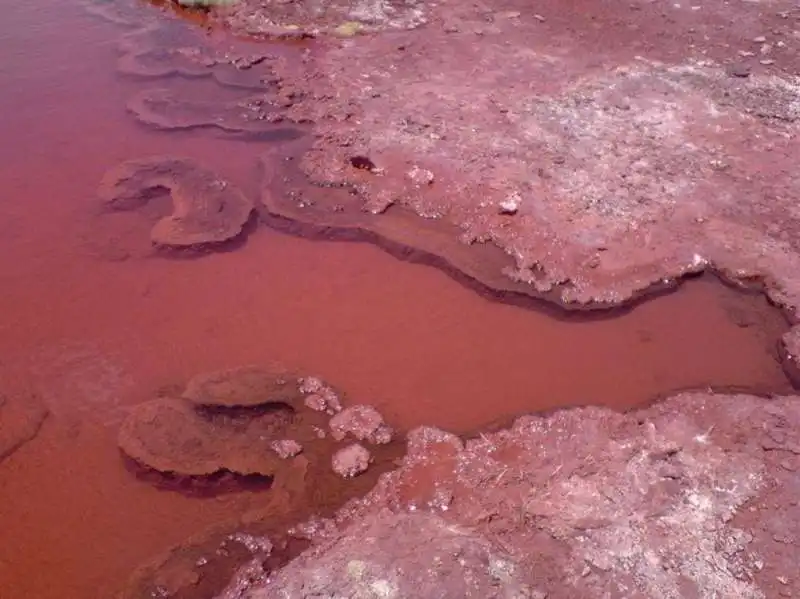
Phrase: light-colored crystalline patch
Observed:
(382, 12)
(629, 145)
(286, 448)
(687, 539)
(502, 570)
(383, 589)
(327, 16)
(441, 90)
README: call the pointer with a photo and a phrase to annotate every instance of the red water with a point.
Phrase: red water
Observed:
(92, 335)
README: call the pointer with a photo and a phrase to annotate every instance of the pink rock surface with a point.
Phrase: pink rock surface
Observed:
(694, 497)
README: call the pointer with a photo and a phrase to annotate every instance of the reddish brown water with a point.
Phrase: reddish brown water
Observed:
(92, 335)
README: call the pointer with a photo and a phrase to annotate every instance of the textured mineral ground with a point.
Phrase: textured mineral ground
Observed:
(599, 174)
(207, 210)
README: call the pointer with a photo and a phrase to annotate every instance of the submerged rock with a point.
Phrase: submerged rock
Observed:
(207, 210)
(167, 48)
(162, 109)
(199, 566)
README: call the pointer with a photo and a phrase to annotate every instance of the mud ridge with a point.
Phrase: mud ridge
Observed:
(223, 409)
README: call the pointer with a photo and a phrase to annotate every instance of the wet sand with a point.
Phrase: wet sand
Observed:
(93, 322)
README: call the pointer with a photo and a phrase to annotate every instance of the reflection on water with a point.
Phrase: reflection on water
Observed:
(93, 321)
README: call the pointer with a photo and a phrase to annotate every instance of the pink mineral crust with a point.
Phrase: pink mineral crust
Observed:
(316, 402)
(351, 461)
(693, 497)
(362, 422)
(286, 448)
